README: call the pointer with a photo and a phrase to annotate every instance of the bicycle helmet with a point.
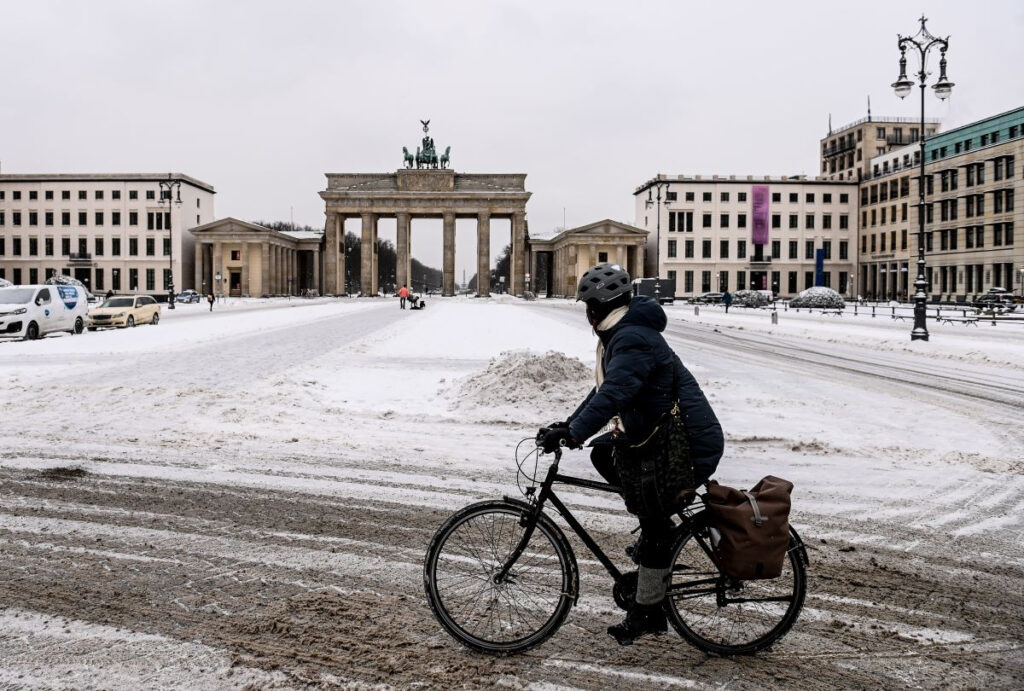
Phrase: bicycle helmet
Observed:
(603, 283)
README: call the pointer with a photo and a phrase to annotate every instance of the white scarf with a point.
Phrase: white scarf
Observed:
(613, 318)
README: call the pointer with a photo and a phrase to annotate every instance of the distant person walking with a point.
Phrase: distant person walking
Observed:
(110, 294)
(727, 300)
(403, 294)
(209, 299)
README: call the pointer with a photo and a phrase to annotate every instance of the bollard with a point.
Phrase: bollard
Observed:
(775, 317)
(696, 310)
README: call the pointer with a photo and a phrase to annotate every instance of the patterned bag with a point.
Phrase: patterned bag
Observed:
(657, 473)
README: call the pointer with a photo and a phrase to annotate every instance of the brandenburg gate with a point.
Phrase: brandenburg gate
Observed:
(428, 190)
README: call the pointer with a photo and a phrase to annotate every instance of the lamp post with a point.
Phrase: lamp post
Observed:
(658, 184)
(216, 286)
(923, 41)
(166, 186)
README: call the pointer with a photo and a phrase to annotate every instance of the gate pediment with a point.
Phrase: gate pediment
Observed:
(426, 180)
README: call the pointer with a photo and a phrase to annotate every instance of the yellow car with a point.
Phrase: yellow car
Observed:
(125, 310)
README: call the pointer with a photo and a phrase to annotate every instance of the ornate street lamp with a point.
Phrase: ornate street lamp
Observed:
(166, 186)
(657, 186)
(923, 41)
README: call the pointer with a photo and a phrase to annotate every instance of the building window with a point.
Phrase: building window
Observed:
(826, 198)
(150, 279)
(844, 198)
(689, 196)
(33, 218)
(706, 196)
(844, 250)
(83, 195)
(65, 247)
(150, 247)
(33, 248)
(115, 247)
(826, 247)
(723, 220)
(133, 194)
(809, 197)
(99, 218)
(167, 247)
(776, 197)
(133, 247)
(826, 221)
(793, 249)
(688, 280)
(706, 221)
(809, 221)
(741, 220)
(150, 194)
(705, 281)
(671, 249)
(793, 197)
(688, 249)
(133, 218)
(723, 249)
(83, 218)
(809, 249)
(669, 197)
(115, 218)
(794, 221)
(741, 196)
(115, 194)
(705, 249)
(741, 249)
(133, 279)
(724, 196)
(16, 218)
(776, 249)
(98, 247)
(48, 247)
(776, 221)
(99, 194)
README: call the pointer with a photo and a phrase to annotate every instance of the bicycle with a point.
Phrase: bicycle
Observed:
(501, 577)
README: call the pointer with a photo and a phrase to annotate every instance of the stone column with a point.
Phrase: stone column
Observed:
(316, 270)
(402, 260)
(448, 271)
(245, 270)
(366, 255)
(375, 275)
(331, 233)
(265, 267)
(518, 253)
(199, 266)
(217, 267)
(483, 254)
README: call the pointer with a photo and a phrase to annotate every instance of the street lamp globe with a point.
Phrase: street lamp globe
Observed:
(903, 87)
(943, 89)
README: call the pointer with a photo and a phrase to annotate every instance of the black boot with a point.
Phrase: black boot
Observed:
(640, 621)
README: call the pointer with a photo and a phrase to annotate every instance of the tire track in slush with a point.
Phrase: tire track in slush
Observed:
(327, 591)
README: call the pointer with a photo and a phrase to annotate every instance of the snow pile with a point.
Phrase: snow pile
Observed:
(750, 298)
(524, 379)
(4, 283)
(820, 297)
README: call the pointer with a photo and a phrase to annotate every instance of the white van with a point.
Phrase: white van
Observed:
(30, 312)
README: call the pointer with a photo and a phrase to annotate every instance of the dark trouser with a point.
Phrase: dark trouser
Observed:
(655, 543)
(401, 303)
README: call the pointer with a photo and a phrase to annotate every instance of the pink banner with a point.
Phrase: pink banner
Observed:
(760, 213)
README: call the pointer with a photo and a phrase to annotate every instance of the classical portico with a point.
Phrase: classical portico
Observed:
(573, 251)
(409, 194)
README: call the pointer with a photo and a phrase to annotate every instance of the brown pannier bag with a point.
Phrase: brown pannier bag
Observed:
(753, 526)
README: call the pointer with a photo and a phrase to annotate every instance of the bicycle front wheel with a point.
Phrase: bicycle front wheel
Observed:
(723, 616)
(508, 615)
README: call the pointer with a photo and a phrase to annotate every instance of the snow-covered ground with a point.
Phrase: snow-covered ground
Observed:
(244, 497)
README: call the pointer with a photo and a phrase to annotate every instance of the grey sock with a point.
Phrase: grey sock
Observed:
(651, 585)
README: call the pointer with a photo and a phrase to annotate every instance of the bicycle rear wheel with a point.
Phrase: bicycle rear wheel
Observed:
(723, 616)
(510, 616)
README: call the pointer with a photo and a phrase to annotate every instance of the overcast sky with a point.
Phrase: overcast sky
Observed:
(589, 99)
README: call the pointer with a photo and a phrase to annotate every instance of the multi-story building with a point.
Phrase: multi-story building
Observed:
(973, 176)
(109, 231)
(846, 153)
(730, 233)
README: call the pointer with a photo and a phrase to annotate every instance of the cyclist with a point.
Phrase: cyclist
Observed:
(634, 375)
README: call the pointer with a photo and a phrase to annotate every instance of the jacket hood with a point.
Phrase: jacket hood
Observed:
(643, 311)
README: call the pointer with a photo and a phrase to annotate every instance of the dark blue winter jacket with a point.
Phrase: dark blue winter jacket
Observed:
(637, 387)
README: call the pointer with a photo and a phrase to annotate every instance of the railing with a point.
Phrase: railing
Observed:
(886, 120)
(80, 258)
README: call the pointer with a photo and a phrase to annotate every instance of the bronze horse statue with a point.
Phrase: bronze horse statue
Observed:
(426, 159)
(407, 158)
(445, 157)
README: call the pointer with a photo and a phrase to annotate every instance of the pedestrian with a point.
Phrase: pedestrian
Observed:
(635, 372)
(727, 300)
(209, 299)
(403, 294)
(110, 294)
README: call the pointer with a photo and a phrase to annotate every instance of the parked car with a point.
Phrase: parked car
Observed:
(124, 310)
(32, 311)
(187, 296)
(709, 298)
(995, 298)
